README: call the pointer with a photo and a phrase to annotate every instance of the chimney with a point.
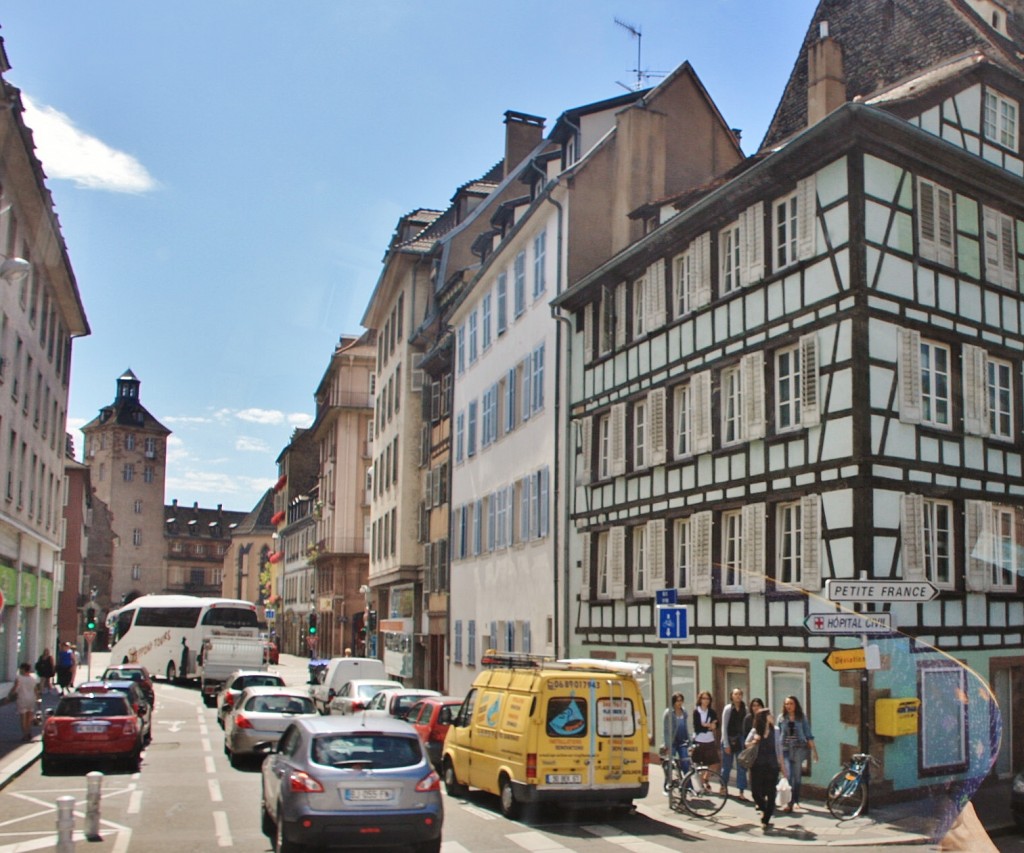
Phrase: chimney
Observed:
(522, 133)
(826, 84)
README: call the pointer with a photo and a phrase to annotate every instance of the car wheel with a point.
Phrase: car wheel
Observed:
(429, 846)
(281, 844)
(509, 804)
(234, 760)
(266, 822)
(171, 671)
(451, 782)
(133, 763)
(47, 765)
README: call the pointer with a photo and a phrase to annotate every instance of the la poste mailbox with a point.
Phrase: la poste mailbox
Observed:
(895, 717)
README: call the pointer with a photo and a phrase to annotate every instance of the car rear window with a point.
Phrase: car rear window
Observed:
(262, 681)
(380, 751)
(109, 705)
(122, 675)
(280, 705)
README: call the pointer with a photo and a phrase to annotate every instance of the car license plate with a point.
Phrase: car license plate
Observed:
(365, 795)
(563, 778)
(90, 728)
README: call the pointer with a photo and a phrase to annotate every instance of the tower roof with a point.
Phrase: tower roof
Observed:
(127, 409)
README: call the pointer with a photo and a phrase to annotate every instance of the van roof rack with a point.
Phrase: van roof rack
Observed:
(523, 660)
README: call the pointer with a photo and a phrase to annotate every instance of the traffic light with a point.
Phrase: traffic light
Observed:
(312, 624)
(90, 619)
(371, 622)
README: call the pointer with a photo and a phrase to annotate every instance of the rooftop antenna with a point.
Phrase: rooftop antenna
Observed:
(642, 74)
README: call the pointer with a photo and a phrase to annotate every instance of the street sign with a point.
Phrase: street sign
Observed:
(843, 659)
(89, 637)
(666, 596)
(673, 622)
(849, 623)
(882, 591)
(268, 613)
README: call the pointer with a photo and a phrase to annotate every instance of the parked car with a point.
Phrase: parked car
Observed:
(259, 716)
(354, 695)
(397, 701)
(354, 782)
(136, 698)
(237, 682)
(1017, 800)
(431, 717)
(132, 672)
(98, 726)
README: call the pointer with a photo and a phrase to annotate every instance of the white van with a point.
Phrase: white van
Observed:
(341, 671)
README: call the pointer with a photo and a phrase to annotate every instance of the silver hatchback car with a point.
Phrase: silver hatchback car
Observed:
(356, 781)
(258, 718)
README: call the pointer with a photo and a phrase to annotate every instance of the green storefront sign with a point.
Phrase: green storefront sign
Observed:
(9, 584)
(28, 590)
(46, 593)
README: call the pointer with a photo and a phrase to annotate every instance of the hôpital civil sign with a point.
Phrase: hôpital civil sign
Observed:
(849, 623)
(840, 590)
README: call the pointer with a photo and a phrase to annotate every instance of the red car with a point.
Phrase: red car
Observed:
(98, 726)
(431, 717)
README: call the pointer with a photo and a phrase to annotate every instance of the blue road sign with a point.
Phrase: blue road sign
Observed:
(666, 596)
(673, 622)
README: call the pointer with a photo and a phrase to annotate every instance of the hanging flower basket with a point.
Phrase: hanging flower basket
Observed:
(277, 517)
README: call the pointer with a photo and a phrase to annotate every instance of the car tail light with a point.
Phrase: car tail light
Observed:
(430, 782)
(242, 722)
(50, 729)
(131, 727)
(357, 705)
(531, 765)
(229, 700)
(300, 782)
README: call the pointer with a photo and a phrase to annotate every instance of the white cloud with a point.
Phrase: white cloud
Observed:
(185, 420)
(300, 419)
(261, 416)
(219, 487)
(72, 154)
(247, 443)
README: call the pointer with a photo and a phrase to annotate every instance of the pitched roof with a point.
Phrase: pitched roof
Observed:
(887, 41)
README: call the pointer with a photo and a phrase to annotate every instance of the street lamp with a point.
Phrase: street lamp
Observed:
(14, 269)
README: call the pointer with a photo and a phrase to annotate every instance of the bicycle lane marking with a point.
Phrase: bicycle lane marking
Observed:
(623, 839)
(46, 837)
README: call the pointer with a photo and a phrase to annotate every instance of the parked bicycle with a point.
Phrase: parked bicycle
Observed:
(700, 791)
(847, 792)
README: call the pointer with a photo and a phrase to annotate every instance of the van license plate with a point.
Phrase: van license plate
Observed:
(563, 778)
(362, 795)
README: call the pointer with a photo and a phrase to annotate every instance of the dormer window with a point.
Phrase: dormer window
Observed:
(1000, 119)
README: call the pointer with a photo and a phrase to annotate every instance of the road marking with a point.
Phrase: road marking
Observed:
(203, 730)
(453, 847)
(476, 811)
(135, 802)
(536, 841)
(215, 795)
(124, 837)
(221, 828)
(173, 726)
(629, 842)
(209, 764)
(206, 744)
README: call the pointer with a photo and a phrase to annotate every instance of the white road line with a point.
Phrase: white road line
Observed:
(536, 841)
(203, 730)
(215, 795)
(206, 744)
(629, 842)
(135, 802)
(209, 764)
(222, 830)
(476, 811)
(124, 837)
(453, 847)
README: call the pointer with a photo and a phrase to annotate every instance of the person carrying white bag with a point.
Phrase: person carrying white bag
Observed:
(764, 773)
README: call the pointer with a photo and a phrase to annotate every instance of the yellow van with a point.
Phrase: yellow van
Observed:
(538, 730)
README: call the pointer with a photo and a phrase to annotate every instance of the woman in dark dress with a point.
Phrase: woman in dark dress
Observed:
(764, 775)
(44, 669)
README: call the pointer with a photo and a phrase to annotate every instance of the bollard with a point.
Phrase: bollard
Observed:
(65, 824)
(94, 782)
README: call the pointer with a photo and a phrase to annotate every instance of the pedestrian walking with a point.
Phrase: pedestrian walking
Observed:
(748, 721)
(45, 667)
(797, 745)
(764, 775)
(732, 739)
(25, 692)
(65, 667)
(676, 734)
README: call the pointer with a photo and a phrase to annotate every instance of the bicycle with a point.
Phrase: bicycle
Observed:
(847, 792)
(700, 791)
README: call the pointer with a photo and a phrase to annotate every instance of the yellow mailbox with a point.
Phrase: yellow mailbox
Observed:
(894, 717)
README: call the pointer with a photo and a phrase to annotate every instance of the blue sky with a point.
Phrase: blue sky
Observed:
(228, 174)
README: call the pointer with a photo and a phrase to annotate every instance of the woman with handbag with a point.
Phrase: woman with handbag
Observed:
(705, 727)
(797, 745)
(764, 772)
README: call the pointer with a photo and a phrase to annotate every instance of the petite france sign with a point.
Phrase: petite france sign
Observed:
(880, 591)
(849, 623)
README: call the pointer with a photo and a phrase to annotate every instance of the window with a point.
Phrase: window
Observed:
(684, 553)
(537, 380)
(147, 474)
(1000, 250)
(539, 251)
(485, 320)
(640, 434)
(609, 316)
(729, 241)
(787, 389)
(128, 472)
(137, 506)
(732, 405)
(509, 414)
(502, 293)
(137, 572)
(460, 436)
(790, 541)
(457, 645)
(935, 384)
(150, 447)
(460, 349)
(1004, 562)
(938, 542)
(785, 231)
(935, 222)
(604, 446)
(603, 572)
(943, 736)
(639, 307)
(471, 430)
(640, 567)
(472, 337)
(129, 441)
(683, 420)
(732, 551)
(489, 425)
(519, 283)
(1000, 119)
(999, 398)
(136, 536)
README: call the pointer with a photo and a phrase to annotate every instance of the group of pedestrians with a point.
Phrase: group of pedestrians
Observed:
(783, 744)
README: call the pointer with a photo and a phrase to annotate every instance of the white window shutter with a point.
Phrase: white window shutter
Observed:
(620, 316)
(617, 462)
(585, 568)
(617, 562)
(752, 373)
(810, 411)
(583, 463)
(810, 574)
(656, 314)
(589, 330)
(656, 426)
(700, 404)
(910, 376)
(912, 537)
(926, 232)
(979, 545)
(1009, 251)
(700, 529)
(753, 243)
(656, 553)
(701, 294)
(993, 255)
(975, 390)
(753, 547)
(944, 223)
(806, 217)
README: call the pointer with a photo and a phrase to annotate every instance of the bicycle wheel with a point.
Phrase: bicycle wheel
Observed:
(702, 793)
(846, 795)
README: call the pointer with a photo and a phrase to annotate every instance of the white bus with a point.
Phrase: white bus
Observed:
(165, 633)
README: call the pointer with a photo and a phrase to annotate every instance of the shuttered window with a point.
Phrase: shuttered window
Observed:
(935, 222)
